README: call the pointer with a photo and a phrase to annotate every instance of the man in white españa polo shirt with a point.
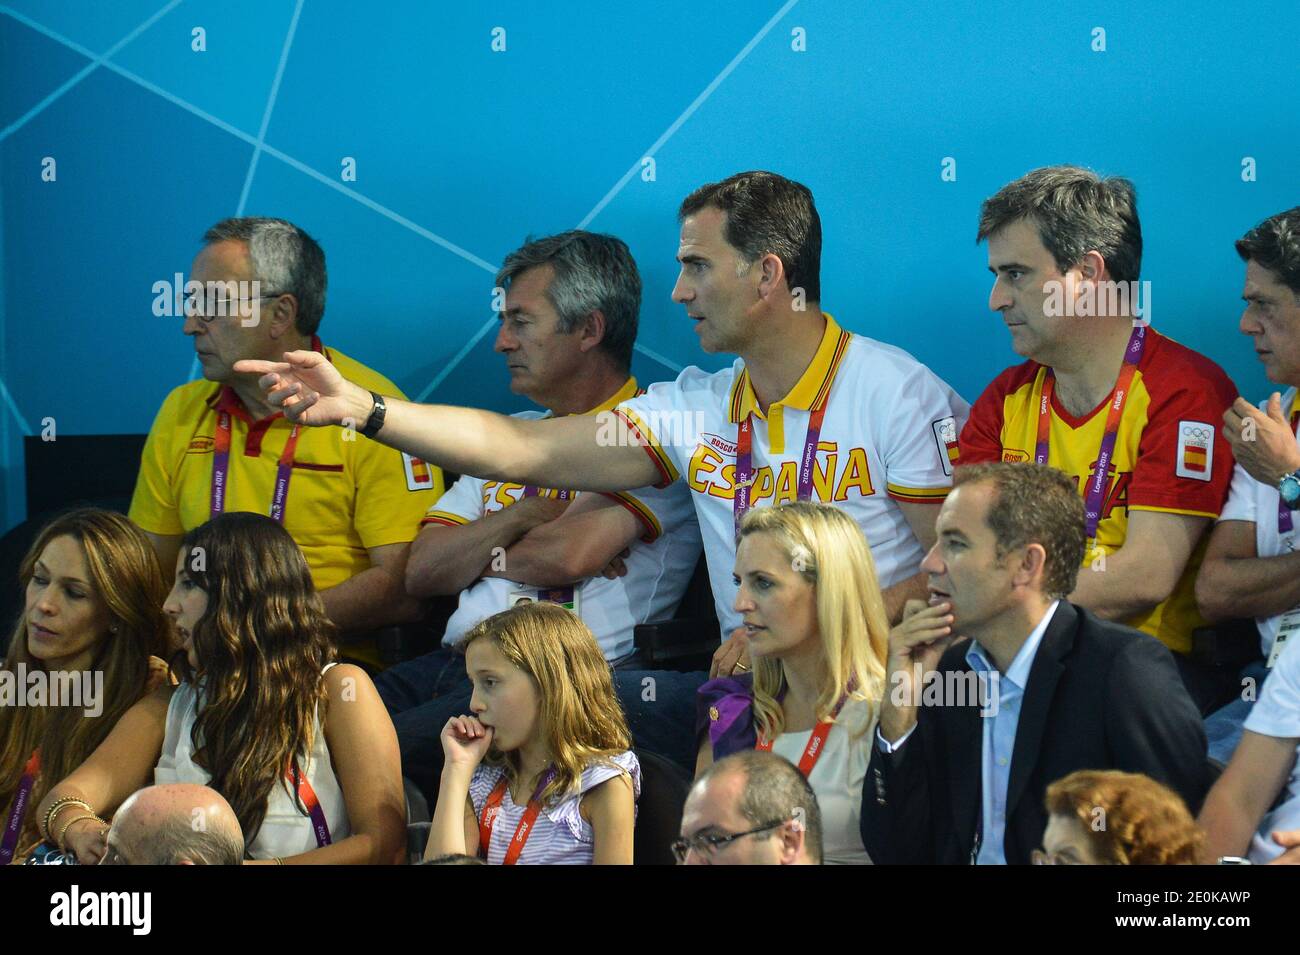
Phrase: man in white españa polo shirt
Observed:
(750, 253)
(885, 470)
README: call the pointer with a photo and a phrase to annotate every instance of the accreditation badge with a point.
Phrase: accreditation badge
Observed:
(567, 597)
(1288, 625)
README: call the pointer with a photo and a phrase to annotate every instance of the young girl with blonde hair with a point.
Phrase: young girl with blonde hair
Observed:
(543, 772)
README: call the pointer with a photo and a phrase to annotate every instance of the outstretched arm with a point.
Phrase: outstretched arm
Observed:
(580, 452)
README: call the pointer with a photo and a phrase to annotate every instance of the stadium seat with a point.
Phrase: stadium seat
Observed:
(418, 820)
(57, 480)
(664, 786)
(686, 642)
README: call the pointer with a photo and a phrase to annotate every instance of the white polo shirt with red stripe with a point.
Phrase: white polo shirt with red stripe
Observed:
(889, 435)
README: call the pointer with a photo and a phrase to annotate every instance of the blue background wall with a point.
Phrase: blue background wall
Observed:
(461, 152)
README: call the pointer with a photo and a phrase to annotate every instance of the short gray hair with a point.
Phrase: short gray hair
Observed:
(774, 789)
(175, 840)
(593, 272)
(285, 258)
(1075, 211)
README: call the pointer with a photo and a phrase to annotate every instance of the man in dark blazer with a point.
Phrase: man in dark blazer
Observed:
(972, 731)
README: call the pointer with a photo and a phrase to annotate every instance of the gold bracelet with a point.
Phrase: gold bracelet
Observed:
(61, 803)
(62, 832)
(55, 806)
(279, 861)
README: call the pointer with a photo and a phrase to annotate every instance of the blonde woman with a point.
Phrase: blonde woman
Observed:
(818, 634)
(543, 772)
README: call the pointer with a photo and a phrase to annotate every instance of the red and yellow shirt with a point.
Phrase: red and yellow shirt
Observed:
(1169, 455)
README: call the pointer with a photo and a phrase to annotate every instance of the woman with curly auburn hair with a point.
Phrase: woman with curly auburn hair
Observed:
(93, 606)
(301, 747)
(1108, 817)
(818, 635)
(543, 772)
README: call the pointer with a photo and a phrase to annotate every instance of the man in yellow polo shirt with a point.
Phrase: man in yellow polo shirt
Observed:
(352, 504)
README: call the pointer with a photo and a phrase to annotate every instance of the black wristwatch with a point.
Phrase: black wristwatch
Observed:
(376, 419)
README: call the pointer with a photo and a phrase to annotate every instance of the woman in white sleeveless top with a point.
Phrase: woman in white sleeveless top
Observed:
(817, 634)
(283, 831)
(301, 747)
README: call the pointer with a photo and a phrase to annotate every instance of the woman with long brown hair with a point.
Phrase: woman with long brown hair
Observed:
(301, 747)
(92, 622)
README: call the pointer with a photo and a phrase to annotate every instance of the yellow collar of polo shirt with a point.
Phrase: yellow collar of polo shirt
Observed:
(809, 392)
(623, 394)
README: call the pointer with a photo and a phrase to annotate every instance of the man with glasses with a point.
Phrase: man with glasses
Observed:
(751, 808)
(352, 505)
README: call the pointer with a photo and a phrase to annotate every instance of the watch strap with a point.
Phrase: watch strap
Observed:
(376, 419)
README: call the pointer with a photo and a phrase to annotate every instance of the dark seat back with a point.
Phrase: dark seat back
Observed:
(74, 470)
(664, 786)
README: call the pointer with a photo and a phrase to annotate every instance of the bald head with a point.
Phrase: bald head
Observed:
(175, 824)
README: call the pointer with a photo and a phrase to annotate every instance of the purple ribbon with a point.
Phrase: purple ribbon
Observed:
(15, 824)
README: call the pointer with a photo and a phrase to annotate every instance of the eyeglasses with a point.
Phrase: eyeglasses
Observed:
(710, 844)
(1039, 857)
(197, 305)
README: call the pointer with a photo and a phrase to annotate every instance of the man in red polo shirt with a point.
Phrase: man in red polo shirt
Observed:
(352, 504)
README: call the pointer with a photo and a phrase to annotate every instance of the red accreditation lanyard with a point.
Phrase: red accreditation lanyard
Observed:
(307, 795)
(1096, 492)
(816, 742)
(492, 808)
(745, 462)
(221, 470)
(15, 824)
(1283, 512)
